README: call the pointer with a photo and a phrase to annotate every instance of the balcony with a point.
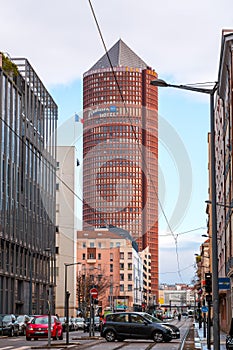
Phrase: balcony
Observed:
(91, 261)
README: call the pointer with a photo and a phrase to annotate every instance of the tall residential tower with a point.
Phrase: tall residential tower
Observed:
(120, 149)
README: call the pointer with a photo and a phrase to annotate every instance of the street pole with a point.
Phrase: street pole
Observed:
(211, 92)
(49, 314)
(66, 306)
(208, 326)
(67, 296)
(30, 284)
(216, 328)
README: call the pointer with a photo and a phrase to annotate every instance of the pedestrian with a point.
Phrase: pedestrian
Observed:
(179, 316)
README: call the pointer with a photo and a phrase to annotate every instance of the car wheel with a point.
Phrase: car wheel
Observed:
(11, 332)
(157, 337)
(55, 337)
(110, 335)
(28, 338)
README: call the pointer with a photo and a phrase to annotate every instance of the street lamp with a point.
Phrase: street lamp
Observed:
(67, 295)
(210, 92)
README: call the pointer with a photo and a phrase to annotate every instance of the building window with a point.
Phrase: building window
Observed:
(84, 245)
(57, 250)
(121, 277)
(111, 256)
(84, 256)
(130, 277)
(99, 245)
(111, 267)
(99, 256)
(92, 244)
(121, 266)
(91, 256)
(130, 256)
(121, 287)
(130, 288)
(129, 266)
(121, 255)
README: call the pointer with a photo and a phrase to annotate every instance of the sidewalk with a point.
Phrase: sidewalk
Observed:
(201, 342)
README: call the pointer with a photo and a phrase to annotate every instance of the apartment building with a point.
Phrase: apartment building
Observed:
(110, 261)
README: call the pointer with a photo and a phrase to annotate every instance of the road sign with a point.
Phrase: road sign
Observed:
(94, 293)
(224, 283)
(204, 309)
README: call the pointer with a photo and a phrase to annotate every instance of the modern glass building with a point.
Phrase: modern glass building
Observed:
(120, 149)
(28, 119)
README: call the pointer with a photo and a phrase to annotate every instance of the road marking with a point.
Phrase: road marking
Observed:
(13, 347)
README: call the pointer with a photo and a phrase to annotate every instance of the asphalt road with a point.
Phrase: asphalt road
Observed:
(81, 340)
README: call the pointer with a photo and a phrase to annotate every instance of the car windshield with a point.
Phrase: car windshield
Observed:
(20, 318)
(42, 320)
(151, 318)
(7, 318)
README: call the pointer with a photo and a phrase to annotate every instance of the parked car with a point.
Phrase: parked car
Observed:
(79, 321)
(134, 325)
(96, 324)
(8, 325)
(175, 330)
(38, 328)
(63, 323)
(22, 321)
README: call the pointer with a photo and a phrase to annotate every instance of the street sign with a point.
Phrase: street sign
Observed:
(224, 283)
(204, 309)
(94, 293)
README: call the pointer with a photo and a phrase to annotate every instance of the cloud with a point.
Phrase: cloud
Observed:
(61, 40)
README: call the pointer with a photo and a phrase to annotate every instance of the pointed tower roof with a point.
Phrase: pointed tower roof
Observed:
(121, 56)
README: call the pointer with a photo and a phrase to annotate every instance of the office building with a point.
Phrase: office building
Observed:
(28, 119)
(66, 214)
(120, 149)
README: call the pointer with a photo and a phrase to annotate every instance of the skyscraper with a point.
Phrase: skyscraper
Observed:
(120, 149)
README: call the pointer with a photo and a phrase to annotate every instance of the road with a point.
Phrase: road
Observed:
(81, 340)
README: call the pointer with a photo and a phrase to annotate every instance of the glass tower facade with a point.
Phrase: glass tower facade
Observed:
(28, 119)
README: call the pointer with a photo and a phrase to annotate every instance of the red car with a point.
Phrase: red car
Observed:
(38, 328)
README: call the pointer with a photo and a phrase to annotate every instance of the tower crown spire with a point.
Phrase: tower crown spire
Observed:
(121, 56)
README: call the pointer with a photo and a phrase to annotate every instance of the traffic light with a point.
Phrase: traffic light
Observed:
(208, 282)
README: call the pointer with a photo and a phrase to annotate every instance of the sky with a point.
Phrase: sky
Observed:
(181, 40)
